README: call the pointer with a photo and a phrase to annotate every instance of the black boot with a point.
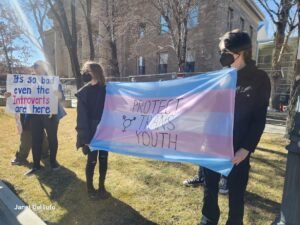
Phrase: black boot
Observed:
(92, 193)
(102, 193)
(89, 172)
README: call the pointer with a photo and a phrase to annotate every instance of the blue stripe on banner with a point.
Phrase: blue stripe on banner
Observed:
(220, 165)
(217, 80)
(201, 123)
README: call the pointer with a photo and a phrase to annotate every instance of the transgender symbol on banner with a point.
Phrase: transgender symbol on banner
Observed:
(183, 120)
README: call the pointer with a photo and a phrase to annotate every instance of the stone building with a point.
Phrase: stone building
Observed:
(264, 59)
(143, 49)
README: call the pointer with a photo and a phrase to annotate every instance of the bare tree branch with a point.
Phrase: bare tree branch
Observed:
(268, 10)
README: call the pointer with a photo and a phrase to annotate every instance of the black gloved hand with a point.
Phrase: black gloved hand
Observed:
(85, 150)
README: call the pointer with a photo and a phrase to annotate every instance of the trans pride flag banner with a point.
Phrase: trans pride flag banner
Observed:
(182, 120)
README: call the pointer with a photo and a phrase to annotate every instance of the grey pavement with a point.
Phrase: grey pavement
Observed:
(6, 218)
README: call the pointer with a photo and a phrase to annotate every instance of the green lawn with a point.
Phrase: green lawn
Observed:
(144, 191)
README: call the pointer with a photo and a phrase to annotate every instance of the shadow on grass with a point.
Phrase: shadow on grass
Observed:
(69, 192)
(263, 204)
(165, 169)
(271, 164)
(271, 151)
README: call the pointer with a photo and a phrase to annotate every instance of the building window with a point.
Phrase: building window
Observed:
(189, 61)
(142, 30)
(193, 14)
(141, 65)
(251, 32)
(242, 24)
(229, 19)
(260, 59)
(267, 59)
(163, 63)
(164, 27)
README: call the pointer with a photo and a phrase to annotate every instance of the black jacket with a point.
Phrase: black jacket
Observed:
(251, 103)
(90, 105)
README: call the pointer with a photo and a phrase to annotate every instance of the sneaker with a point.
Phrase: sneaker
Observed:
(55, 166)
(223, 189)
(194, 182)
(33, 171)
(15, 162)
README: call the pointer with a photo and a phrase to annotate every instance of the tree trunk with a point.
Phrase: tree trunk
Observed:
(73, 50)
(89, 29)
(293, 100)
(276, 65)
(75, 66)
(108, 47)
(7, 59)
(114, 60)
(275, 81)
(184, 43)
(283, 17)
(70, 37)
(295, 91)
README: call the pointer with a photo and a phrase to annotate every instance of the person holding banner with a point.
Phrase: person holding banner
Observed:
(39, 123)
(251, 103)
(90, 107)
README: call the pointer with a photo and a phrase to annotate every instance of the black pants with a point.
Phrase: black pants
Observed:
(237, 183)
(38, 124)
(91, 164)
(201, 173)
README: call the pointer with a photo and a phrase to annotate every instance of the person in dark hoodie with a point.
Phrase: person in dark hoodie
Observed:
(251, 103)
(90, 106)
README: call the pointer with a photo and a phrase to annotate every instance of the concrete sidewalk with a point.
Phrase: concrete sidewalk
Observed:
(274, 129)
(6, 218)
(9, 215)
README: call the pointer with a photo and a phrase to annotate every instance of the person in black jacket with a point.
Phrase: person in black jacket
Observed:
(251, 103)
(90, 106)
(40, 123)
(26, 141)
(23, 125)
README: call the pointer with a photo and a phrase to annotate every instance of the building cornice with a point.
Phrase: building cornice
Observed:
(252, 5)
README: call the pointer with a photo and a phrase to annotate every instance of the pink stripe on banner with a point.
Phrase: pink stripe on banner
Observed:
(208, 101)
(182, 142)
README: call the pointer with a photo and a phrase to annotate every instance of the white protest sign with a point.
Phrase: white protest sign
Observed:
(32, 94)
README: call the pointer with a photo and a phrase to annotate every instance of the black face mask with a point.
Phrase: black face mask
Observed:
(226, 59)
(86, 77)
